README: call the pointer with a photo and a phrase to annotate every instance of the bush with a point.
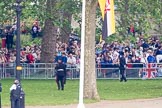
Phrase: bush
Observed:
(26, 40)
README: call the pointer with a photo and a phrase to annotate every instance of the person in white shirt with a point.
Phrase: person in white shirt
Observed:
(71, 65)
(115, 56)
(71, 60)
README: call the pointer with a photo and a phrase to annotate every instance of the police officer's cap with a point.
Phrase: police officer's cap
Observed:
(16, 81)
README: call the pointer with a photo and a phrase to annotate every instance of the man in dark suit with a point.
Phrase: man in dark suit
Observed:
(122, 66)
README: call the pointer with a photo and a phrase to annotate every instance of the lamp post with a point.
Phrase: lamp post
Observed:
(18, 9)
(18, 46)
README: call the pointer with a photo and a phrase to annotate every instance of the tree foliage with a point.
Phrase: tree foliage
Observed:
(144, 14)
(141, 13)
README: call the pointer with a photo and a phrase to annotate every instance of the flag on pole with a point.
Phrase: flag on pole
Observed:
(102, 4)
(108, 27)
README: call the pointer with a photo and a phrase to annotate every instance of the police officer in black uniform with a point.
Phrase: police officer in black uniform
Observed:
(122, 66)
(15, 91)
(60, 74)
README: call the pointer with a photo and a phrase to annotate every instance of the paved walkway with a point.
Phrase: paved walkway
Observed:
(139, 103)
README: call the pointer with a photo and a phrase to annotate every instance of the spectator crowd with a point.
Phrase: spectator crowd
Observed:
(8, 32)
(143, 51)
(137, 54)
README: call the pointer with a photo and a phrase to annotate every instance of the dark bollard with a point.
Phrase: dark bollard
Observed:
(0, 95)
(22, 99)
(0, 87)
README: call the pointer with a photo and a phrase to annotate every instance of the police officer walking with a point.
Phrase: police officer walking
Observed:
(122, 66)
(15, 91)
(60, 74)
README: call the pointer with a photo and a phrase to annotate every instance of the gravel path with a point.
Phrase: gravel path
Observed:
(139, 103)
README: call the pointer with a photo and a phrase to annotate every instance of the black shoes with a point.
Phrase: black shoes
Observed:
(122, 80)
(61, 88)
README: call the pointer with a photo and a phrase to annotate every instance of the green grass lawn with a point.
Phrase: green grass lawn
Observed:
(44, 92)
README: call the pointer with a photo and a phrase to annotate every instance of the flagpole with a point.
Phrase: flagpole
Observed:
(81, 84)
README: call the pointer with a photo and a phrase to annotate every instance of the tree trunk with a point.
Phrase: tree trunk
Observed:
(66, 30)
(90, 86)
(50, 35)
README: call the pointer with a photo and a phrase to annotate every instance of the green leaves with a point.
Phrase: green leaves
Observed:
(139, 13)
(145, 15)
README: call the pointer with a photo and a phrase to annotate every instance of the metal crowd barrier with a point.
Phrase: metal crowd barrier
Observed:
(133, 71)
(47, 71)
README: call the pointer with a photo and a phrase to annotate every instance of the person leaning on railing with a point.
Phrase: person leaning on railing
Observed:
(159, 54)
(12, 59)
(71, 60)
(71, 64)
(106, 63)
(30, 57)
(2, 58)
(151, 58)
(151, 64)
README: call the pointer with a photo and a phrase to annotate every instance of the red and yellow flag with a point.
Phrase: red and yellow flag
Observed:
(108, 16)
(102, 4)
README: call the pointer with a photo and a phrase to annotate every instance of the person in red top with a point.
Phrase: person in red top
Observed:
(3, 43)
(131, 30)
(129, 63)
(30, 58)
